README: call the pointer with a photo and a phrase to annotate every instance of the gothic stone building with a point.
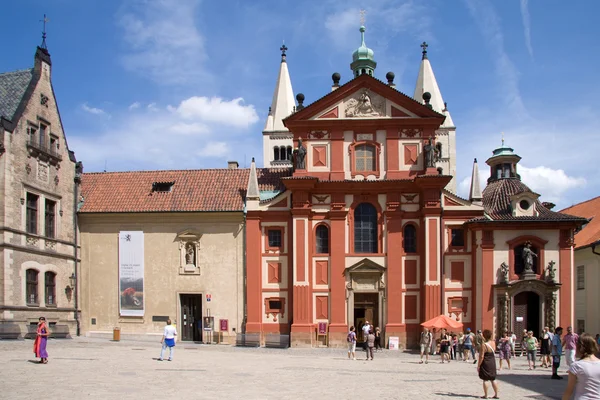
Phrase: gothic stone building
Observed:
(368, 225)
(37, 181)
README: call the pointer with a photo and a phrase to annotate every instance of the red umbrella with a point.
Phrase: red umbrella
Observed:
(442, 321)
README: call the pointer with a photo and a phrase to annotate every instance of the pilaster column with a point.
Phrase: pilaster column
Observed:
(254, 306)
(395, 325)
(302, 305)
(432, 289)
(565, 263)
(487, 279)
(337, 267)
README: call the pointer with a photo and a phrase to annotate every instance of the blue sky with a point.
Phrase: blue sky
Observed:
(172, 84)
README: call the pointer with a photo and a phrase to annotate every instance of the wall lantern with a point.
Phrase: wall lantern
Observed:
(69, 289)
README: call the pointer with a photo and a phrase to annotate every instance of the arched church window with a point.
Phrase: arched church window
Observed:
(410, 239)
(322, 239)
(289, 153)
(498, 171)
(363, 71)
(365, 157)
(521, 257)
(440, 171)
(276, 153)
(365, 229)
(438, 146)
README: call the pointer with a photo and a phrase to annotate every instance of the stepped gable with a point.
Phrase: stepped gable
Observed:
(206, 190)
(590, 234)
(497, 203)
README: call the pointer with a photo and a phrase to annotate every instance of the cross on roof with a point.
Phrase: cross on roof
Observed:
(363, 14)
(424, 46)
(502, 138)
(43, 46)
(283, 49)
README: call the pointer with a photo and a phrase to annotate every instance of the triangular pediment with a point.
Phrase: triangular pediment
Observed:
(364, 98)
(365, 266)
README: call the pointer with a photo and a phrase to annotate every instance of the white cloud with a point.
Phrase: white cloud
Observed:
(163, 42)
(194, 135)
(488, 22)
(214, 109)
(526, 25)
(552, 184)
(135, 106)
(214, 149)
(92, 110)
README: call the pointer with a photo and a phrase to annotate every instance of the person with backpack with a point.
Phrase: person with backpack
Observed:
(425, 344)
(478, 343)
(351, 339)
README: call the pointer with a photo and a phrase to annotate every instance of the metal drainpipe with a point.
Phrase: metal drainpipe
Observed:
(594, 250)
(244, 277)
(77, 180)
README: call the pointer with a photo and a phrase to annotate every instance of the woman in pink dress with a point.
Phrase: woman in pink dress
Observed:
(39, 345)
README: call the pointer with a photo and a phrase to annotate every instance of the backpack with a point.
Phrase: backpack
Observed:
(349, 338)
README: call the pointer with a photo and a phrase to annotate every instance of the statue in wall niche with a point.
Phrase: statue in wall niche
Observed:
(551, 272)
(190, 253)
(528, 255)
(430, 153)
(504, 273)
(300, 155)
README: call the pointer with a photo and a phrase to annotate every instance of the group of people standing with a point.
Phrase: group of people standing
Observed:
(371, 340)
(450, 346)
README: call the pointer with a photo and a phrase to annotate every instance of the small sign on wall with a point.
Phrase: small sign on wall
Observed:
(519, 319)
(393, 342)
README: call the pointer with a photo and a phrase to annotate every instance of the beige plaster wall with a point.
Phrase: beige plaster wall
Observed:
(220, 259)
(587, 300)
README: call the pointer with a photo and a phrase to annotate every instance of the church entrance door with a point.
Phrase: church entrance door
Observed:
(527, 313)
(191, 317)
(366, 308)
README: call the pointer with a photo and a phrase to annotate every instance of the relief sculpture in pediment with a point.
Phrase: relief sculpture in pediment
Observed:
(365, 104)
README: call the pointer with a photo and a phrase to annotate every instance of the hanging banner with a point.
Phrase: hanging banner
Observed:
(131, 273)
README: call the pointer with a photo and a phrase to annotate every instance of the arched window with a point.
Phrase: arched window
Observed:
(365, 229)
(410, 239)
(322, 239)
(31, 289)
(438, 146)
(50, 283)
(289, 153)
(276, 153)
(440, 171)
(365, 157)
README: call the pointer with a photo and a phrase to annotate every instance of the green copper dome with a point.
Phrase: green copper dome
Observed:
(363, 61)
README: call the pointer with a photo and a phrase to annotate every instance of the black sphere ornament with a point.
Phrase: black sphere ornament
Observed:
(336, 78)
(390, 77)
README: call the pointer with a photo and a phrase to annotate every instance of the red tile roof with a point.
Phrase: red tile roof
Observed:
(193, 190)
(591, 232)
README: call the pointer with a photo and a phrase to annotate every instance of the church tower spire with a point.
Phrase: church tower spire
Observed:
(363, 60)
(475, 195)
(445, 136)
(276, 137)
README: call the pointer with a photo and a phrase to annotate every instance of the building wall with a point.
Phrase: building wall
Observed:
(587, 299)
(220, 260)
(26, 169)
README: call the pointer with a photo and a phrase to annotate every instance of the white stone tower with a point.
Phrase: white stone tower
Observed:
(445, 137)
(277, 140)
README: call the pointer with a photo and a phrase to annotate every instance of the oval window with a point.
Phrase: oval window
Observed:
(524, 204)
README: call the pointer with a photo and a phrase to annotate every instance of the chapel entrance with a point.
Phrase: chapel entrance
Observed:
(191, 317)
(366, 308)
(526, 311)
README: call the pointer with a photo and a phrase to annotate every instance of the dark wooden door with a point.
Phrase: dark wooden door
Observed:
(191, 317)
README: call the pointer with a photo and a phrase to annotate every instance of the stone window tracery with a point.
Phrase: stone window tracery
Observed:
(365, 228)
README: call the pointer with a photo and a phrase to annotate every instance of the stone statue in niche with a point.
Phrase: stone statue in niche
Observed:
(190, 254)
(504, 273)
(300, 156)
(431, 153)
(527, 254)
(364, 106)
(551, 272)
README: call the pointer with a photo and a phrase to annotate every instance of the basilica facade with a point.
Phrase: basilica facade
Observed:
(367, 226)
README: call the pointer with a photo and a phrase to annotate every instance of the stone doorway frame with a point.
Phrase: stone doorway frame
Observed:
(506, 292)
(366, 276)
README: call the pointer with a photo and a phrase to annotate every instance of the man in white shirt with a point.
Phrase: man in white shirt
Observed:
(366, 328)
(168, 340)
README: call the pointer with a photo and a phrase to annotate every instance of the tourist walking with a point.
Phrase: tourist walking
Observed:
(352, 343)
(425, 345)
(513, 342)
(531, 343)
(556, 352)
(478, 341)
(461, 341)
(569, 345)
(168, 340)
(370, 344)
(378, 339)
(545, 347)
(433, 341)
(584, 375)
(486, 366)
(366, 328)
(454, 347)
(523, 344)
(504, 350)
(445, 346)
(41, 339)
(468, 345)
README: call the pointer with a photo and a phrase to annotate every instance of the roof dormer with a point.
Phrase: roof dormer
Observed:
(524, 204)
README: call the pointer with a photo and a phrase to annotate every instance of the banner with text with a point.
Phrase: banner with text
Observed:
(131, 273)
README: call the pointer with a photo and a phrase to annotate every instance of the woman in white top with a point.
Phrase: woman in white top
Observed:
(584, 375)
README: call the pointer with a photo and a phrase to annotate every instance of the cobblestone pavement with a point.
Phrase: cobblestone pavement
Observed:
(85, 368)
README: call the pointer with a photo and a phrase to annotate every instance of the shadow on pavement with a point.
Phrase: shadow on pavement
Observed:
(542, 384)
(462, 396)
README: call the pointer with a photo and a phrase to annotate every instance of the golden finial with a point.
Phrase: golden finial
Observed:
(363, 14)
(502, 138)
